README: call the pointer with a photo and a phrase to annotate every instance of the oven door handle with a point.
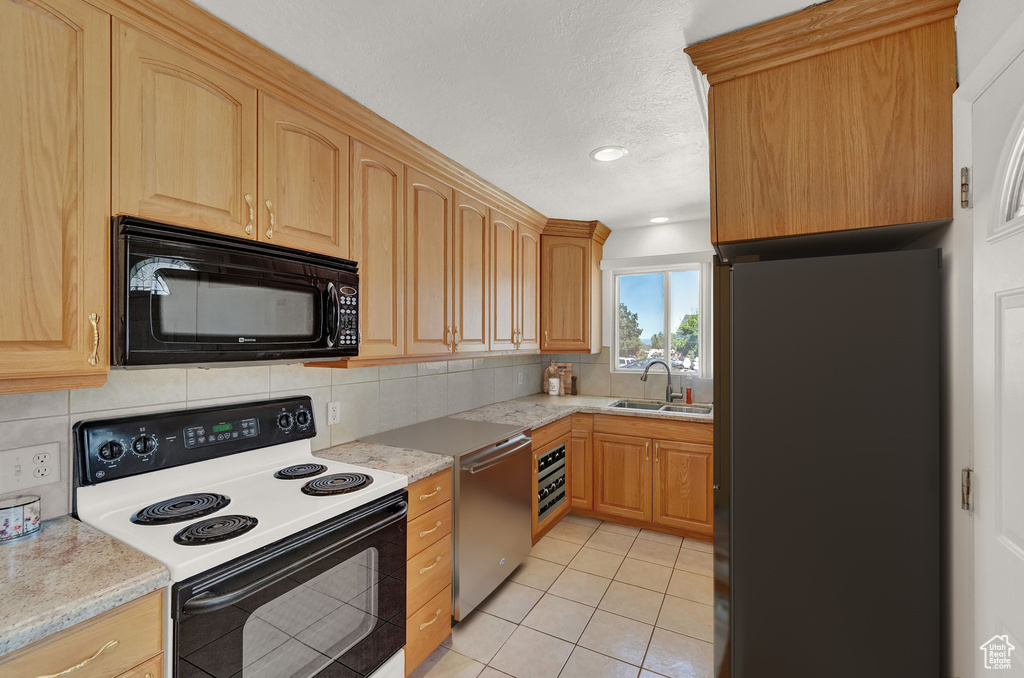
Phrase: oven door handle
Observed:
(208, 601)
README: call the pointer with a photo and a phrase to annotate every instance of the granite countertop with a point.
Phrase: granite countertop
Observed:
(540, 409)
(66, 574)
(414, 464)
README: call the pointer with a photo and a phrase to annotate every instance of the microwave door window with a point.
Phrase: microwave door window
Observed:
(202, 307)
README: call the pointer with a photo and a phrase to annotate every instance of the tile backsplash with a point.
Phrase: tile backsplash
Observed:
(596, 378)
(373, 399)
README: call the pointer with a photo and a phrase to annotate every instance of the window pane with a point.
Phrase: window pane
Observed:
(641, 319)
(684, 320)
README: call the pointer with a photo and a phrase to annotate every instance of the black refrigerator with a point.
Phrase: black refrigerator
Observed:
(827, 506)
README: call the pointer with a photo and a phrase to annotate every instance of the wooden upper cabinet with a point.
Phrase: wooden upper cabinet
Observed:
(55, 187)
(304, 173)
(504, 314)
(471, 276)
(623, 476)
(428, 289)
(570, 286)
(184, 138)
(682, 486)
(835, 118)
(377, 242)
(528, 288)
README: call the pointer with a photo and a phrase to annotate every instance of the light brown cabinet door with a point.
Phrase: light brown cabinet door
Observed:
(855, 138)
(54, 194)
(528, 288)
(377, 243)
(565, 279)
(581, 481)
(504, 313)
(623, 476)
(682, 486)
(303, 167)
(428, 290)
(471, 276)
(184, 138)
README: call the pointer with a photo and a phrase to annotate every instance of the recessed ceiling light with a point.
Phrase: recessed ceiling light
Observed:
(659, 220)
(608, 153)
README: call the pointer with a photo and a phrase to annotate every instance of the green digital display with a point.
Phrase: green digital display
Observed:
(220, 428)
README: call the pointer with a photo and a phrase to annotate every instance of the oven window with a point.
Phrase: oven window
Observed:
(337, 618)
(198, 306)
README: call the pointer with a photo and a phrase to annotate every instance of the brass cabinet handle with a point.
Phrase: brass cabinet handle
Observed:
(428, 568)
(647, 451)
(106, 648)
(270, 208)
(426, 624)
(545, 338)
(458, 338)
(431, 531)
(448, 336)
(94, 357)
(428, 496)
(656, 447)
(252, 214)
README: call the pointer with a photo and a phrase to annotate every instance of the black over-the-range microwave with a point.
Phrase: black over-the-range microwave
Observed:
(186, 297)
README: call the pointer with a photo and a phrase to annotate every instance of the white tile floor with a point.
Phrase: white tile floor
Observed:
(593, 600)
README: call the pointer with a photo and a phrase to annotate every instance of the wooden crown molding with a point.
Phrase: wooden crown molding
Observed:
(192, 28)
(578, 229)
(816, 30)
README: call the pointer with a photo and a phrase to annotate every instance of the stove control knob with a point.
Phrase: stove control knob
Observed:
(144, 445)
(285, 421)
(111, 451)
(303, 418)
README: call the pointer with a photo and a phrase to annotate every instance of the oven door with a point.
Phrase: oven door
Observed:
(328, 602)
(189, 298)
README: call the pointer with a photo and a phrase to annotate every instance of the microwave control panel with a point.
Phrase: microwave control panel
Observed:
(348, 334)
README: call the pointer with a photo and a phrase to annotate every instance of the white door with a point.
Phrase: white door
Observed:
(998, 185)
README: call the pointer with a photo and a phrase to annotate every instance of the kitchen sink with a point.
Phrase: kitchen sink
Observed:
(686, 409)
(655, 406)
(636, 405)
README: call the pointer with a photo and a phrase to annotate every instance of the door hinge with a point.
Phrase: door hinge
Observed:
(966, 500)
(965, 187)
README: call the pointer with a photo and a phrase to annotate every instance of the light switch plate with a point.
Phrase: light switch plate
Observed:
(27, 467)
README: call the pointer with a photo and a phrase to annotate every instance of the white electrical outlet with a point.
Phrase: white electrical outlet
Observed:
(519, 378)
(26, 467)
(333, 412)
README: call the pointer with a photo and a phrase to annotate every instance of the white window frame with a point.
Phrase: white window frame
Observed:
(704, 310)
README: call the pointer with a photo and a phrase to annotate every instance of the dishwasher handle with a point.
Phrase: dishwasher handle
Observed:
(497, 455)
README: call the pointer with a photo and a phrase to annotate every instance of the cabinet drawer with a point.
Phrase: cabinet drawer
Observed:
(544, 436)
(428, 528)
(429, 493)
(136, 627)
(426, 628)
(428, 572)
(153, 668)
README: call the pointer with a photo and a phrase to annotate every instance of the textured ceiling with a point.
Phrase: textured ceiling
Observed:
(520, 91)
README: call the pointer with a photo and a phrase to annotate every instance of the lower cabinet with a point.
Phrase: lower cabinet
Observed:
(622, 476)
(552, 473)
(428, 579)
(125, 642)
(663, 481)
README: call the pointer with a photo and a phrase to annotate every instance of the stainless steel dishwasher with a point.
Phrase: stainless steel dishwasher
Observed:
(492, 499)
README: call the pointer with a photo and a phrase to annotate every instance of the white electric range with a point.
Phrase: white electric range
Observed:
(282, 565)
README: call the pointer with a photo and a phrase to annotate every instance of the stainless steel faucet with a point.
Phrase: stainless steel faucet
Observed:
(669, 394)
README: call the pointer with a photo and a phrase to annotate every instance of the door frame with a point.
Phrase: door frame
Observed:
(959, 577)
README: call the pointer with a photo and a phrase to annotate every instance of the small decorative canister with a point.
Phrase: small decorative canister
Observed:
(19, 518)
(553, 384)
